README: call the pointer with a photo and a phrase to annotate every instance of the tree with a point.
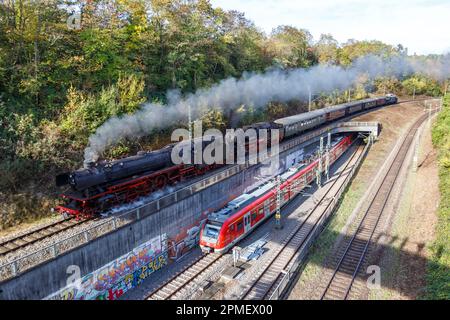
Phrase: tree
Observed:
(353, 49)
(243, 44)
(327, 49)
(290, 47)
(421, 85)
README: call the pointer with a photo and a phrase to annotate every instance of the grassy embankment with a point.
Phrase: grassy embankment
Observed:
(438, 273)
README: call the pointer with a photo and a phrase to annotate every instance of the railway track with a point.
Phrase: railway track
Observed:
(339, 285)
(186, 277)
(184, 280)
(39, 234)
(272, 272)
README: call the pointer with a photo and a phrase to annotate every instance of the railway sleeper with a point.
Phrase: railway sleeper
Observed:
(165, 290)
(358, 245)
(179, 283)
(8, 246)
(339, 286)
(355, 252)
(351, 262)
(172, 285)
(334, 295)
(156, 296)
(270, 274)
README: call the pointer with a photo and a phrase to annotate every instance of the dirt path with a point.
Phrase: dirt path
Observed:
(412, 230)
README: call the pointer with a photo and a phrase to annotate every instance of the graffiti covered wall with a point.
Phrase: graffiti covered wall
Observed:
(174, 231)
(117, 277)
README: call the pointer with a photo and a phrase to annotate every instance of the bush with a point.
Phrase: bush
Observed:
(33, 151)
(421, 85)
(84, 113)
(438, 275)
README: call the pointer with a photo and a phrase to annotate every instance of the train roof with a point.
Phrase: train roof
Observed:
(232, 207)
(319, 112)
(300, 117)
(247, 198)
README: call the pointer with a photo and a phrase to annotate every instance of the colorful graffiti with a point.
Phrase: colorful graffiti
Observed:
(114, 279)
(187, 239)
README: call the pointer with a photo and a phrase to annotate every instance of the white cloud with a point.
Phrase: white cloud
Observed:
(423, 26)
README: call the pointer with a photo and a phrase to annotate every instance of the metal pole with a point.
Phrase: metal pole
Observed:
(235, 256)
(309, 99)
(189, 122)
(414, 93)
(319, 170)
(327, 159)
(327, 164)
(278, 212)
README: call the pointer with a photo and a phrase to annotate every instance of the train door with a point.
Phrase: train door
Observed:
(267, 208)
(247, 223)
(230, 233)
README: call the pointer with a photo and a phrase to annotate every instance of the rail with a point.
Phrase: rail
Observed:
(290, 272)
(355, 252)
(39, 234)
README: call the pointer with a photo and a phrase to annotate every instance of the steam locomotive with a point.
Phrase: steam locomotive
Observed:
(103, 185)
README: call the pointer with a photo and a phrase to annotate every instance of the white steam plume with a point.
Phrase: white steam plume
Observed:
(257, 90)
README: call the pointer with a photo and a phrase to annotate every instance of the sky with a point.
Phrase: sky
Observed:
(423, 26)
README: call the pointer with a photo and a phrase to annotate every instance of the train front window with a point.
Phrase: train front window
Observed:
(212, 231)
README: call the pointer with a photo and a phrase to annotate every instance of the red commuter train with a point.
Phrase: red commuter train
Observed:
(240, 216)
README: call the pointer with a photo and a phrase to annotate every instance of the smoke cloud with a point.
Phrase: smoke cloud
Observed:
(257, 90)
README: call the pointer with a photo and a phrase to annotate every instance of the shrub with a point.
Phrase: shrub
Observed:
(438, 274)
